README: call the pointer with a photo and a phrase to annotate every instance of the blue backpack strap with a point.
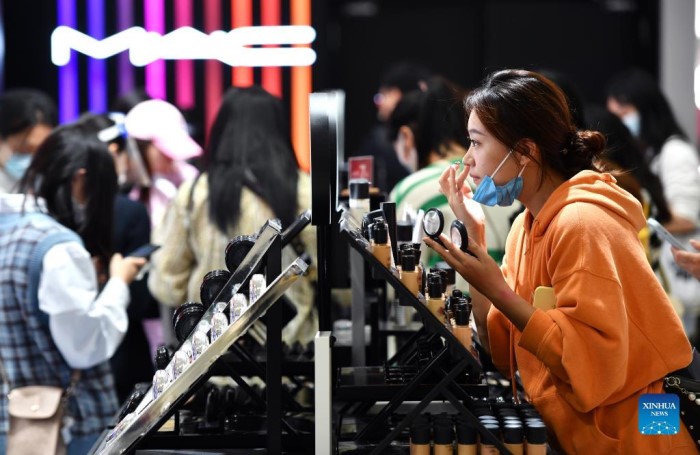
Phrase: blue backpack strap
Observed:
(36, 264)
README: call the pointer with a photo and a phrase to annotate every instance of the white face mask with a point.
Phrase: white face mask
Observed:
(409, 159)
(633, 122)
(78, 212)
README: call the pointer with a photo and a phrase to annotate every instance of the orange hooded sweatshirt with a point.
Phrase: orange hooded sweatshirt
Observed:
(613, 334)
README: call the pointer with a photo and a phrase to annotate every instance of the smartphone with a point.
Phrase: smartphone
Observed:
(144, 251)
(665, 235)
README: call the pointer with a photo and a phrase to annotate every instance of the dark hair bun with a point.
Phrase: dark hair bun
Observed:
(584, 148)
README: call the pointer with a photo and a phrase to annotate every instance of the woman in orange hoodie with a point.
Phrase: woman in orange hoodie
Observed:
(608, 334)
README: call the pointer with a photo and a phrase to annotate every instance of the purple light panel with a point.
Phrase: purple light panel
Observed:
(68, 97)
(97, 68)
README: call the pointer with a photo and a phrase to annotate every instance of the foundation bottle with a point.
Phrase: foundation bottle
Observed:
(466, 437)
(419, 267)
(436, 299)
(420, 437)
(359, 198)
(443, 436)
(513, 438)
(409, 275)
(486, 447)
(536, 436)
(461, 329)
(381, 249)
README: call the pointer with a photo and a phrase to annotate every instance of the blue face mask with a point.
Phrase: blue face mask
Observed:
(488, 193)
(17, 165)
(633, 122)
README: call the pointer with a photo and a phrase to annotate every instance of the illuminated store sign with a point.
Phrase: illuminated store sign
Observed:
(234, 48)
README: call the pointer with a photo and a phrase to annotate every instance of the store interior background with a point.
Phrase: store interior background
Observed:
(587, 40)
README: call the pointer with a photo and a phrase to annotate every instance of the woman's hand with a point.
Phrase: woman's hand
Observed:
(689, 260)
(125, 268)
(484, 275)
(479, 269)
(459, 195)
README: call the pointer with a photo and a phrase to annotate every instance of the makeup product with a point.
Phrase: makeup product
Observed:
(238, 305)
(180, 364)
(459, 236)
(443, 436)
(466, 437)
(513, 438)
(160, 382)
(409, 275)
(419, 267)
(237, 249)
(487, 447)
(200, 342)
(536, 437)
(436, 299)
(257, 287)
(381, 249)
(185, 318)
(461, 329)
(389, 209)
(212, 285)
(162, 357)
(419, 434)
(359, 198)
(433, 224)
(219, 324)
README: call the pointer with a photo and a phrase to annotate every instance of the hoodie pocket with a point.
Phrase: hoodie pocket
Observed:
(576, 433)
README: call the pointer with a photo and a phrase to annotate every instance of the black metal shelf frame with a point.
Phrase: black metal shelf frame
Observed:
(447, 387)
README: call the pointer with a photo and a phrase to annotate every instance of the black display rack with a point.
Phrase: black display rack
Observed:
(447, 387)
(142, 432)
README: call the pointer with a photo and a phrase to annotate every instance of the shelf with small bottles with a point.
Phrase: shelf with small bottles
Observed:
(206, 336)
(436, 379)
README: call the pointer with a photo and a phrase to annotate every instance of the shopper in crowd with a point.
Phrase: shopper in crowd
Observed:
(162, 137)
(54, 321)
(399, 79)
(27, 116)
(252, 176)
(132, 362)
(429, 134)
(635, 97)
(586, 354)
(624, 155)
(689, 260)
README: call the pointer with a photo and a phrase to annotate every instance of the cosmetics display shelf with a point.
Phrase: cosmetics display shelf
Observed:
(447, 387)
(232, 359)
(368, 384)
(154, 411)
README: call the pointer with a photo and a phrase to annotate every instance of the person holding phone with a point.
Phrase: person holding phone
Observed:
(689, 260)
(54, 319)
(610, 334)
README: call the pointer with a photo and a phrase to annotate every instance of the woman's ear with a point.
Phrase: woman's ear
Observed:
(78, 185)
(528, 152)
(406, 148)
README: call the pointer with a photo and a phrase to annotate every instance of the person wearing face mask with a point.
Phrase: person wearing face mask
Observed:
(56, 326)
(27, 116)
(636, 98)
(575, 308)
(427, 128)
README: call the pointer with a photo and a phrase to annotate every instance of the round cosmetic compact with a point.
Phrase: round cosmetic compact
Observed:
(433, 223)
(237, 249)
(212, 285)
(185, 319)
(458, 235)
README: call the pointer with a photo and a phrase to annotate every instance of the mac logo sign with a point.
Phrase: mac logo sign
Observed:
(234, 48)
